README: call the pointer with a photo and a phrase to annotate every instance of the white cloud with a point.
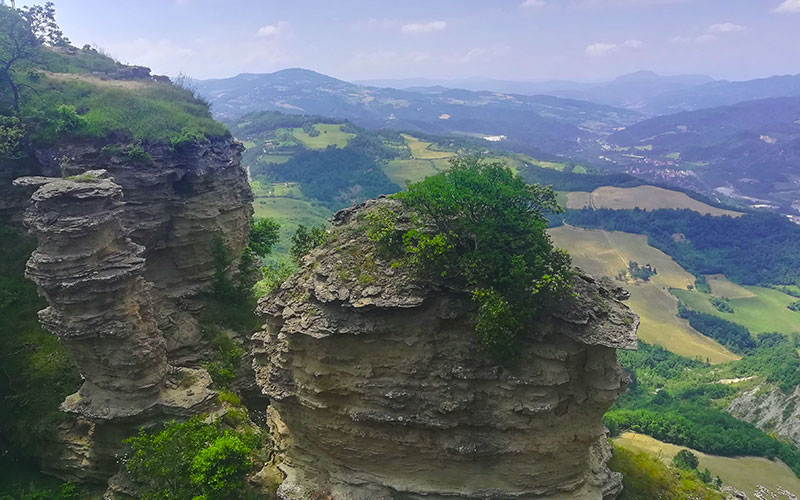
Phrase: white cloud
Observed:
(602, 49)
(426, 27)
(788, 6)
(705, 38)
(273, 30)
(727, 28)
(533, 3)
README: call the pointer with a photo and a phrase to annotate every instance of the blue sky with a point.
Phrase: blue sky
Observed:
(514, 39)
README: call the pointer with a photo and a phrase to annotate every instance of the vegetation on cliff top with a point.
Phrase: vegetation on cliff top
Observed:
(480, 224)
(51, 91)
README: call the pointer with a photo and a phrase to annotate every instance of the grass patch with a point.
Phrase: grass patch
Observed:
(156, 112)
(766, 310)
(290, 213)
(326, 134)
(421, 150)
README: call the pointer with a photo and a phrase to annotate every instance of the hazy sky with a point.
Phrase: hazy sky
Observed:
(514, 39)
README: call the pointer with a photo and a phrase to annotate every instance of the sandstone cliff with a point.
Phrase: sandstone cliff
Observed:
(379, 389)
(122, 255)
(175, 201)
(101, 308)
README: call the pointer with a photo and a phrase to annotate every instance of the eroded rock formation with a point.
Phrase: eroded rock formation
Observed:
(771, 410)
(100, 307)
(380, 390)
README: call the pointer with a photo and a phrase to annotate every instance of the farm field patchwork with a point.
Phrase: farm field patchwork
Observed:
(743, 473)
(608, 252)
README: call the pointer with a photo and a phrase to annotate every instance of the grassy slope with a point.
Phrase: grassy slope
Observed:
(606, 253)
(744, 473)
(290, 213)
(644, 197)
(763, 311)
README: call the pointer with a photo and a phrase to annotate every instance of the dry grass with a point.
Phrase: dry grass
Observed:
(645, 198)
(608, 252)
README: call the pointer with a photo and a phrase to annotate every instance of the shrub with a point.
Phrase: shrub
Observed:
(67, 119)
(481, 225)
(219, 470)
(189, 460)
(685, 460)
(264, 233)
(306, 239)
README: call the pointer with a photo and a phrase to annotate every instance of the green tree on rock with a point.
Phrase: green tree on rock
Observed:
(481, 225)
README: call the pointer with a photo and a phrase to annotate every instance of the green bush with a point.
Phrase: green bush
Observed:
(306, 239)
(190, 461)
(220, 469)
(264, 233)
(685, 460)
(481, 225)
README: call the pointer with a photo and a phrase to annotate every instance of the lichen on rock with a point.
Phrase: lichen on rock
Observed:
(380, 389)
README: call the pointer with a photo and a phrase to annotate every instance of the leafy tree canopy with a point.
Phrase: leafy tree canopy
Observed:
(264, 233)
(479, 223)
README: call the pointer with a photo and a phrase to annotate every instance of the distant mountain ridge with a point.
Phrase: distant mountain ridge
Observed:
(751, 148)
(546, 122)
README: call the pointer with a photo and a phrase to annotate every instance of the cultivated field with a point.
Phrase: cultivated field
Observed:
(329, 135)
(421, 150)
(723, 287)
(608, 252)
(743, 473)
(764, 310)
(402, 171)
(644, 197)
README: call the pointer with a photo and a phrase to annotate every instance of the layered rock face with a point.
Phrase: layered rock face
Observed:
(175, 202)
(380, 390)
(100, 306)
(770, 410)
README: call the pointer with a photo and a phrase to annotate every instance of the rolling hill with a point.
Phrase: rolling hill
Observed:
(723, 93)
(749, 150)
(544, 122)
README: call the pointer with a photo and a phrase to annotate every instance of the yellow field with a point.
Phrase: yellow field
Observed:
(420, 150)
(723, 287)
(579, 199)
(608, 252)
(644, 197)
(743, 473)
(329, 135)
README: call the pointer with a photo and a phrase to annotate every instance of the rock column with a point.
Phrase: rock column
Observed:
(90, 273)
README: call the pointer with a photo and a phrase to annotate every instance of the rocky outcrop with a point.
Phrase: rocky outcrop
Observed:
(380, 390)
(100, 307)
(771, 410)
(175, 202)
